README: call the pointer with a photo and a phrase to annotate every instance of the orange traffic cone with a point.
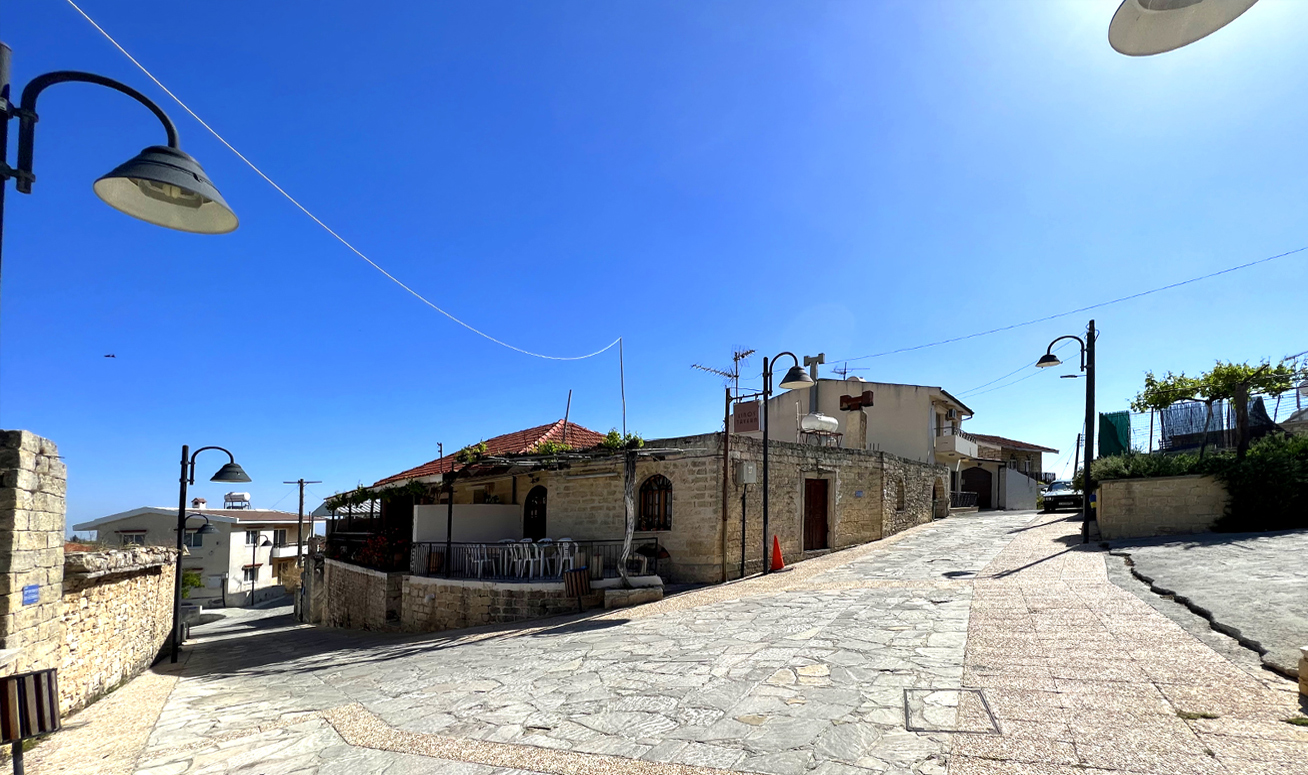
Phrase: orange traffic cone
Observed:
(777, 563)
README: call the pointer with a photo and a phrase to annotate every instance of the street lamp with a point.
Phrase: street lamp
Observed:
(1087, 366)
(230, 472)
(795, 378)
(254, 560)
(161, 185)
(1146, 27)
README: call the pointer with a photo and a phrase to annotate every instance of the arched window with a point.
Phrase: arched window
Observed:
(899, 494)
(655, 512)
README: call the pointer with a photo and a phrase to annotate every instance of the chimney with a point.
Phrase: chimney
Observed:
(198, 503)
(856, 429)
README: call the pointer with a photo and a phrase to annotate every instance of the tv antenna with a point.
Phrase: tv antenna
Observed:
(843, 370)
(737, 356)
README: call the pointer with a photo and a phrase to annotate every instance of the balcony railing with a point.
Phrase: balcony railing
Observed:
(949, 430)
(531, 561)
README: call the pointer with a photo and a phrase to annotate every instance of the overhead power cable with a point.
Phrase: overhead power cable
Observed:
(315, 218)
(1118, 300)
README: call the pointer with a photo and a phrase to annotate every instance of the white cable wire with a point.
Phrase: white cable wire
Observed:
(304, 210)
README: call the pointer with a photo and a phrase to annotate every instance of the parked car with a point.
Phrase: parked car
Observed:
(1061, 495)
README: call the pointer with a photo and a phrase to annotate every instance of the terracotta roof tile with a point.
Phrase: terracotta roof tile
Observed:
(514, 443)
(1011, 443)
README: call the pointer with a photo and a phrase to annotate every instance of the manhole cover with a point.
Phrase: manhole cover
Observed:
(948, 710)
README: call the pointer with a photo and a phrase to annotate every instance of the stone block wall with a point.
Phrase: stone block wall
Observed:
(919, 481)
(32, 488)
(1169, 505)
(117, 615)
(434, 605)
(359, 598)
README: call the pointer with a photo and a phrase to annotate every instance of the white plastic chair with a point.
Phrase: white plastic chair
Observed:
(567, 554)
(479, 557)
(532, 555)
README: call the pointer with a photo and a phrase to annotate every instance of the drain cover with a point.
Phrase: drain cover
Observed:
(948, 710)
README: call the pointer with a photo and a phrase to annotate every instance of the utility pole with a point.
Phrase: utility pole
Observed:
(299, 533)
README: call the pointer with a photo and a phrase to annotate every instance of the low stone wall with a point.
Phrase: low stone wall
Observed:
(433, 605)
(117, 616)
(360, 598)
(1168, 505)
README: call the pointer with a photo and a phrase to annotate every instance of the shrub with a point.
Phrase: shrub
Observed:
(550, 447)
(1268, 488)
(190, 580)
(615, 440)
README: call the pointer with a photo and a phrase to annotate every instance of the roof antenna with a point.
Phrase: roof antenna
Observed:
(566, 412)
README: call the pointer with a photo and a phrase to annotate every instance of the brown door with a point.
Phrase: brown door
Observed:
(533, 514)
(978, 480)
(815, 514)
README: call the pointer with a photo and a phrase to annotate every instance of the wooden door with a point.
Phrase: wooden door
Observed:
(979, 481)
(533, 514)
(815, 514)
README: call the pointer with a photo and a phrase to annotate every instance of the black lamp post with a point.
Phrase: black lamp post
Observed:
(1087, 366)
(795, 378)
(230, 472)
(161, 185)
(254, 560)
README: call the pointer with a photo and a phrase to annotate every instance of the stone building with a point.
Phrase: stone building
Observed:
(1004, 473)
(689, 496)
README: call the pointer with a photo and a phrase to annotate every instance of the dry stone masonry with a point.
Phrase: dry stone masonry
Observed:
(32, 487)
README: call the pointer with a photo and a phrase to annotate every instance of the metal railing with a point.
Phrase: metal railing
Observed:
(531, 561)
(962, 500)
(949, 430)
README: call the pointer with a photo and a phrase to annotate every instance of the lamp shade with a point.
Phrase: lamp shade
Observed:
(231, 472)
(796, 378)
(207, 530)
(265, 542)
(1047, 360)
(1145, 27)
(166, 187)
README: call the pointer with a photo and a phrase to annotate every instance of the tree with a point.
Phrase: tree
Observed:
(1225, 381)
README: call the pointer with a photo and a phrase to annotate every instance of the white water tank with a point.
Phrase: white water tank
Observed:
(818, 422)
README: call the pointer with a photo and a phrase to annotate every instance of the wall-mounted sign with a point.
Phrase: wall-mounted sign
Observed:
(858, 493)
(747, 417)
(31, 594)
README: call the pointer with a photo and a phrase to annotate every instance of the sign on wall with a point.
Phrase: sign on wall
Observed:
(746, 416)
(31, 594)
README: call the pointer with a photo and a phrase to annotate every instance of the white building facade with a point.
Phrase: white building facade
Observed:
(235, 567)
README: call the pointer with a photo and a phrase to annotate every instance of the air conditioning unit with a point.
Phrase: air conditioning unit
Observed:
(951, 414)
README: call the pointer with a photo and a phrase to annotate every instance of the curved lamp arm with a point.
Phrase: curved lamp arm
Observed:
(27, 116)
(771, 366)
(1050, 350)
(190, 476)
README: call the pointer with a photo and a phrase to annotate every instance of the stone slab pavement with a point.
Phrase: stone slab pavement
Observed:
(1253, 586)
(977, 644)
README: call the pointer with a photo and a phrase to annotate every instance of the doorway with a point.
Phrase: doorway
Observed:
(978, 480)
(815, 514)
(533, 514)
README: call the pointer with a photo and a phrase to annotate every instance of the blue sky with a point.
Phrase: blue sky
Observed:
(845, 177)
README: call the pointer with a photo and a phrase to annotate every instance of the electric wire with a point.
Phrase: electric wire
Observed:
(315, 218)
(1047, 318)
(1027, 365)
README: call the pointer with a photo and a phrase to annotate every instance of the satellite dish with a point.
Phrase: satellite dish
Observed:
(1145, 27)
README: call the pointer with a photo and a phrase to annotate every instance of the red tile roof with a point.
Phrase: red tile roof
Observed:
(1012, 443)
(514, 443)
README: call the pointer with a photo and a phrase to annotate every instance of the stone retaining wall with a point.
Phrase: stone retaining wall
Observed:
(117, 616)
(360, 598)
(1167, 505)
(32, 486)
(433, 605)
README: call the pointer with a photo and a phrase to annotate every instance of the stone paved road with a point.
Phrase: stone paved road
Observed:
(1253, 584)
(967, 634)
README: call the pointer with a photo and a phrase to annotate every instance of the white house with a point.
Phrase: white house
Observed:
(234, 565)
(918, 422)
